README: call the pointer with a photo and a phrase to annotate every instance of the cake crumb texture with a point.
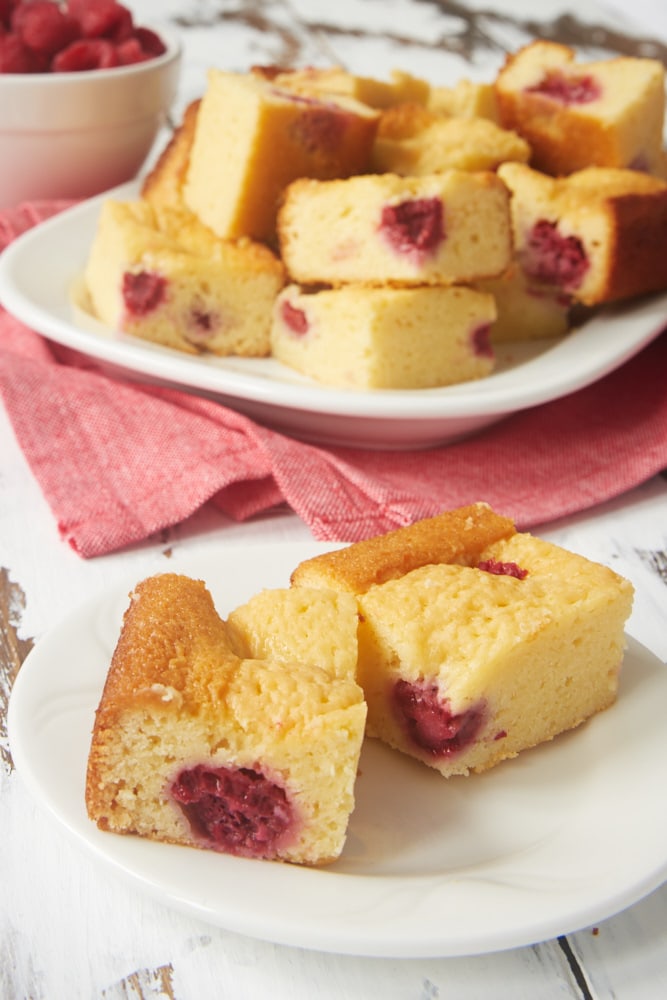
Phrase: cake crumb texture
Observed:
(184, 721)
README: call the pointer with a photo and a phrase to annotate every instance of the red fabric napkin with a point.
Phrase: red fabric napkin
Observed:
(118, 461)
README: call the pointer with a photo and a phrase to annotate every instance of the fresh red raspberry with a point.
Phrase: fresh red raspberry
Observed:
(98, 18)
(123, 28)
(44, 27)
(16, 57)
(130, 51)
(150, 42)
(6, 10)
(85, 54)
(45, 34)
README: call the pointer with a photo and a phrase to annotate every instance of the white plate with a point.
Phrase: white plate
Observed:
(40, 269)
(562, 837)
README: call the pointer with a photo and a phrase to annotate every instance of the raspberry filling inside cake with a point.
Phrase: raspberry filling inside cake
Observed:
(559, 260)
(143, 291)
(568, 89)
(503, 568)
(203, 325)
(480, 340)
(236, 810)
(293, 318)
(415, 226)
(430, 723)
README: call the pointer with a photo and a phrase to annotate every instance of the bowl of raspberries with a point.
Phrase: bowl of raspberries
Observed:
(84, 91)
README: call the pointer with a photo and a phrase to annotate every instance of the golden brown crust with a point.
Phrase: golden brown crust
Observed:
(172, 651)
(455, 536)
(636, 207)
(639, 261)
(167, 612)
(164, 183)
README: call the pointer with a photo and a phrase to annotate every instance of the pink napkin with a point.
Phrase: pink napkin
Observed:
(118, 461)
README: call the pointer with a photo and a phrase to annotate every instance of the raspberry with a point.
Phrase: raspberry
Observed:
(71, 37)
(568, 89)
(150, 42)
(503, 568)
(6, 10)
(143, 292)
(553, 258)
(98, 18)
(236, 810)
(85, 54)
(201, 326)
(16, 57)
(130, 51)
(414, 226)
(480, 339)
(293, 318)
(123, 28)
(44, 27)
(429, 722)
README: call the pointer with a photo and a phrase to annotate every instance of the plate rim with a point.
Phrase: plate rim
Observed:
(322, 933)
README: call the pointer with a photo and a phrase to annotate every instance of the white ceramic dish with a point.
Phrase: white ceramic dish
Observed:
(39, 272)
(72, 135)
(560, 838)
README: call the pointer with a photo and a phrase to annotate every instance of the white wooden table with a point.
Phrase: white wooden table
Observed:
(69, 928)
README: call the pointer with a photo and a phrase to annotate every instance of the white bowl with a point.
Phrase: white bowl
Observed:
(73, 135)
